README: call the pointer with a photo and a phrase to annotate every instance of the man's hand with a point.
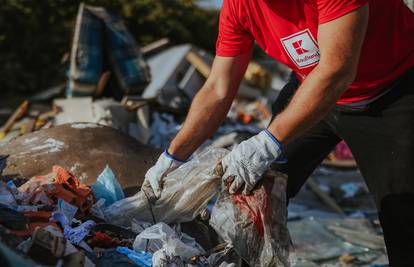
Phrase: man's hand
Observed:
(153, 178)
(248, 161)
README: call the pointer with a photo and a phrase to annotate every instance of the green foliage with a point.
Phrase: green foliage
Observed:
(34, 35)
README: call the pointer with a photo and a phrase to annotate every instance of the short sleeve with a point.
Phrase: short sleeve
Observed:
(333, 9)
(233, 38)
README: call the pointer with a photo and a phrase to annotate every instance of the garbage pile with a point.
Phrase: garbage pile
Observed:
(57, 209)
(55, 220)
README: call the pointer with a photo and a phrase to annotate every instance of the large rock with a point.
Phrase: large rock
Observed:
(82, 148)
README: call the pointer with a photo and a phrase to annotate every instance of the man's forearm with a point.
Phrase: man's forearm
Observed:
(208, 110)
(312, 101)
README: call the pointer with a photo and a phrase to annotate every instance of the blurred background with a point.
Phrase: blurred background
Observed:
(36, 36)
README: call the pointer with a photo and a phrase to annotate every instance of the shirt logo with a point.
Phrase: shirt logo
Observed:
(302, 49)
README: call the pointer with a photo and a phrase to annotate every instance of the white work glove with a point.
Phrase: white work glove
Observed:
(248, 161)
(152, 184)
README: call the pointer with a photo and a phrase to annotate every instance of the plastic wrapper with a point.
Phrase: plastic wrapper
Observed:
(256, 224)
(186, 191)
(107, 187)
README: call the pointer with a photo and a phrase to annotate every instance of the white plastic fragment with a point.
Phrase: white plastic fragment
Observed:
(171, 242)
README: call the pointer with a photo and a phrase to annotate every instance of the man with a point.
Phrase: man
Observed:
(353, 81)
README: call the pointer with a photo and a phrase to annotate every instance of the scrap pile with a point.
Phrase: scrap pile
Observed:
(57, 219)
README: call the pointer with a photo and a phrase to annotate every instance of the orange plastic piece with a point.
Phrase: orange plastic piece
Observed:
(244, 118)
(58, 184)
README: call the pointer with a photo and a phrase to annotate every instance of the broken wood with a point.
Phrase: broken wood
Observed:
(103, 81)
(199, 63)
(31, 123)
(18, 114)
(154, 46)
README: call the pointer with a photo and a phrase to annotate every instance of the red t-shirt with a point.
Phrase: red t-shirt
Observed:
(287, 30)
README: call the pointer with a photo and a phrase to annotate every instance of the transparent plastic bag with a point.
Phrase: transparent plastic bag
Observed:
(173, 243)
(256, 224)
(186, 191)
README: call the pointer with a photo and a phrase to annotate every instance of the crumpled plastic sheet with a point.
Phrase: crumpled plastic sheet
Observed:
(256, 224)
(107, 187)
(172, 243)
(186, 191)
(76, 234)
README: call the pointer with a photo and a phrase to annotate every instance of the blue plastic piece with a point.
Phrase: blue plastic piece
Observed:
(143, 259)
(107, 187)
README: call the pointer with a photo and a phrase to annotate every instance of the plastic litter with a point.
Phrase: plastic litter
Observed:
(19, 196)
(143, 259)
(256, 224)
(45, 189)
(6, 197)
(161, 258)
(97, 208)
(67, 209)
(107, 187)
(77, 234)
(172, 243)
(186, 192)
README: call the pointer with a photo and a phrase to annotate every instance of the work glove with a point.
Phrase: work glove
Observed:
(248, 161)
(152, 185)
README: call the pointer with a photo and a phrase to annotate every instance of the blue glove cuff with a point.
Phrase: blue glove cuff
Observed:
(277, 142)
(168, 155)
(281, 158)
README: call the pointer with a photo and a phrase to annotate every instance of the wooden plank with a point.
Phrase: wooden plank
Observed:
(199, 63)
(18, 114)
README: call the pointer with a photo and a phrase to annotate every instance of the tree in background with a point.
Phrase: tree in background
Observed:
(34, 35)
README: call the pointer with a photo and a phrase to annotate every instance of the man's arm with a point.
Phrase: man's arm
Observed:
(211, 104)
(340, 42)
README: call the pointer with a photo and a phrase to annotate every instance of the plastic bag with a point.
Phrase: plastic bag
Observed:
(143, 259)
(186, 191)
(107, 187)
(172, 243)
(256, 224)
